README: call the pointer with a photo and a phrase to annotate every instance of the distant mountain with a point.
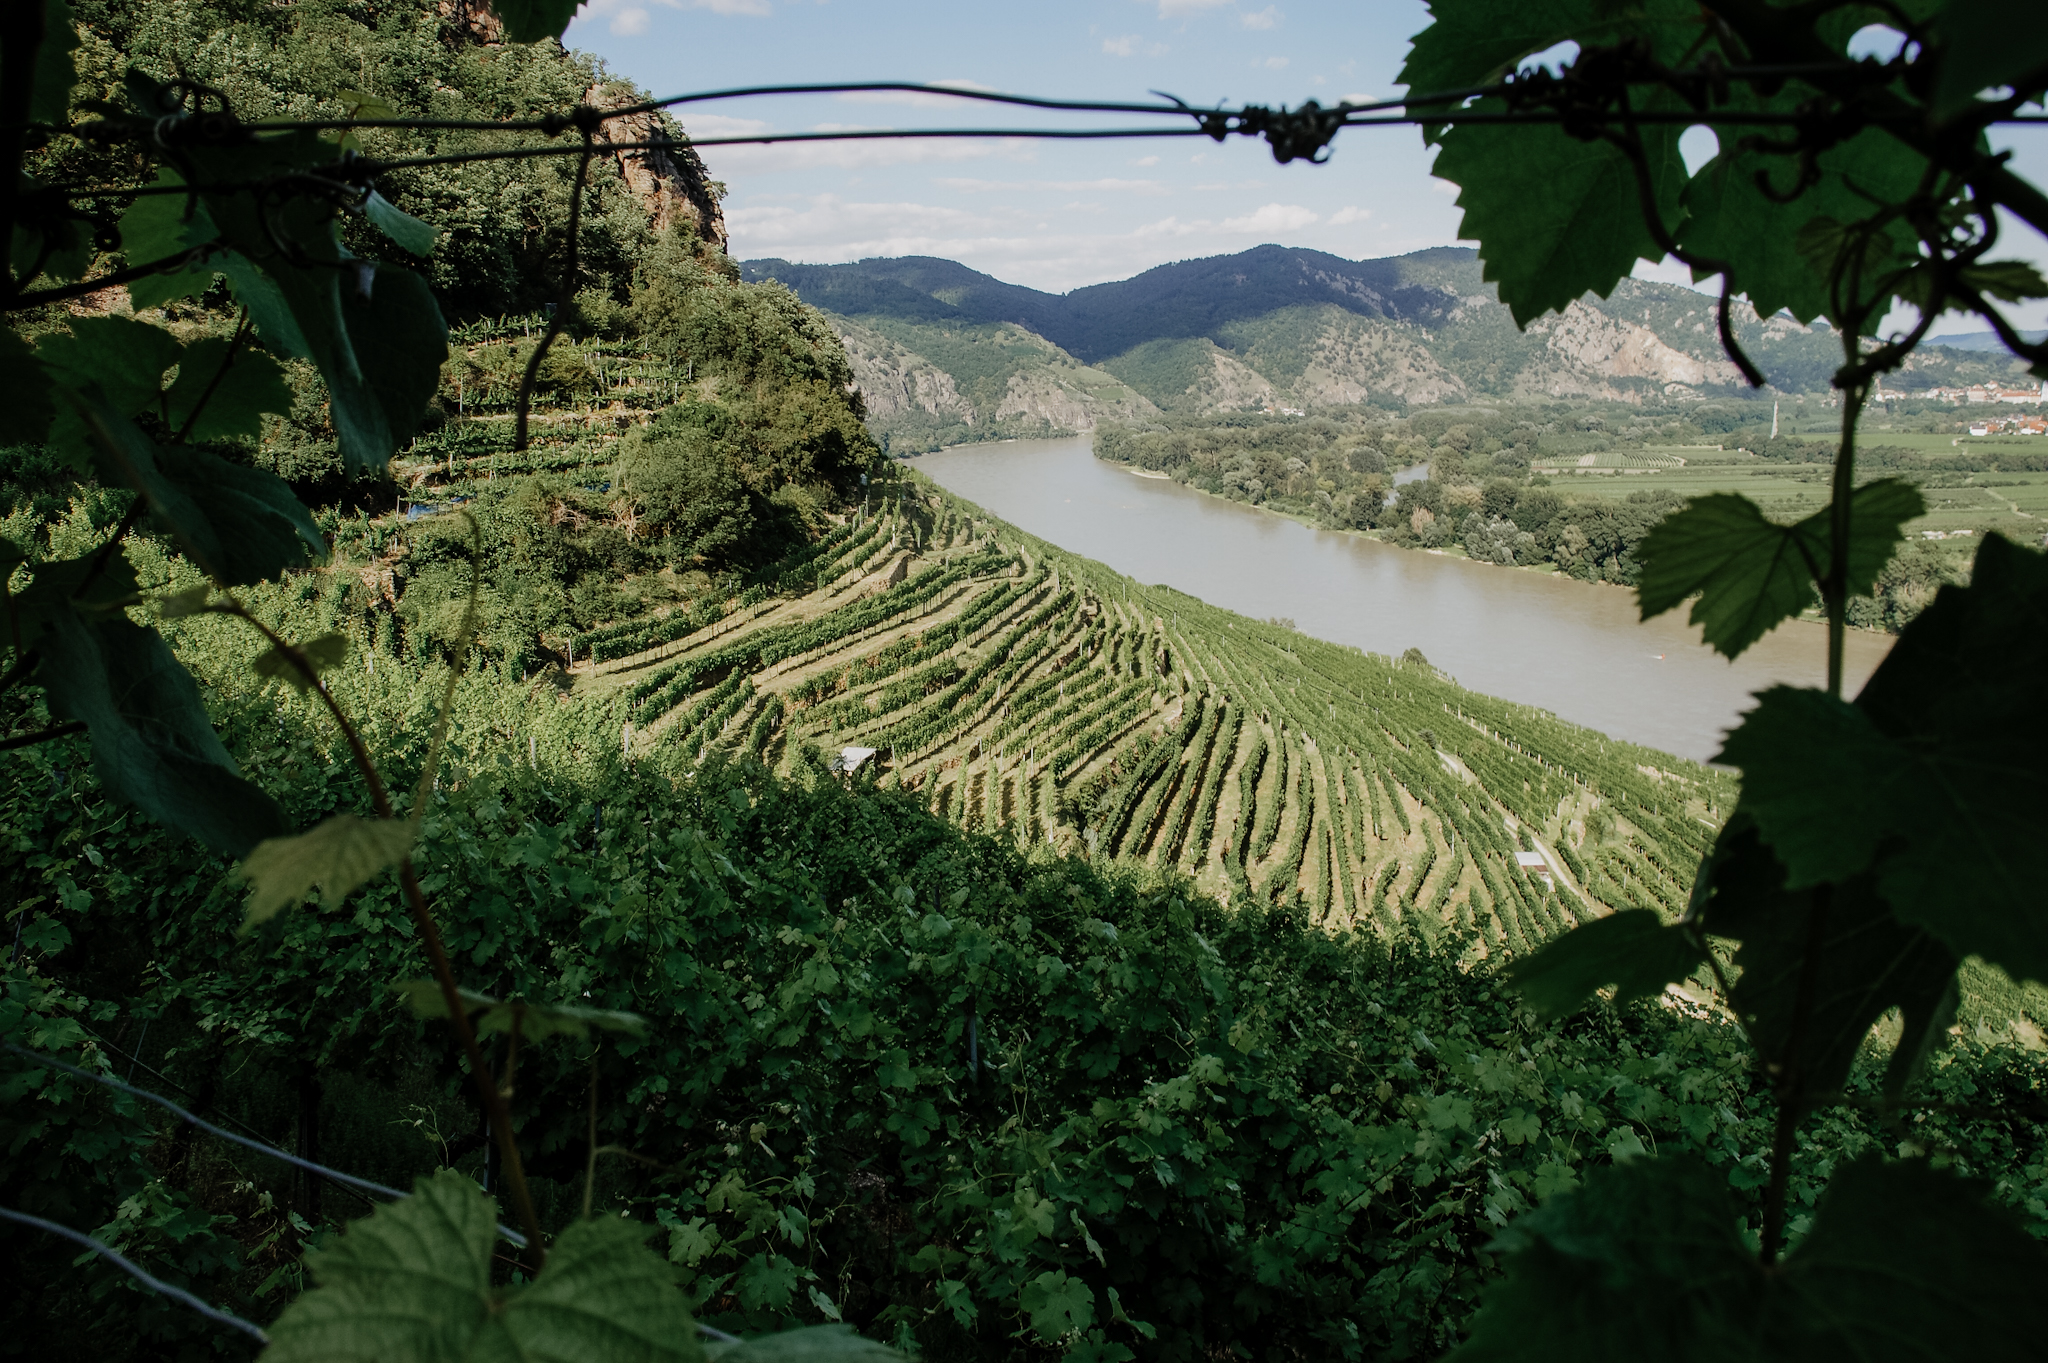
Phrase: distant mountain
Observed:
(948, 353)
(1983, 340)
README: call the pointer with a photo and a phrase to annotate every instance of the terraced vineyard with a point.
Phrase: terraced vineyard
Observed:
(1018, 689)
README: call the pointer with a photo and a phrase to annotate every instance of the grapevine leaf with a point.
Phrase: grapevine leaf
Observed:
(339, 854)
(402, 227)
(411, 1283)
(152, 743)
(401, 342)
(58, 587)
(25, 407)
(1905, 1262)
(122, 359)
(1633, 950)
(1966, 688)
(1751, 573)
(817, 1344)
(1646, 1260)
(327, 651)
(1555, 217)
(1643, 1260)
(240, 524)
(55, 74)
(529, 21)
(534, 1021)
(1057, 1304)
(2011, 281)
(268, 311)
(1982, 47)
(1820, 782)
(1468, 45)
(232, 400)
(1730, 219)
(1870, 962)
(158, 227)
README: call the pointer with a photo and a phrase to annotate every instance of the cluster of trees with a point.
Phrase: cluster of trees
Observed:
(1338, 469)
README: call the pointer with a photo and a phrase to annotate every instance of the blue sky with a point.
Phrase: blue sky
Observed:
(1052, 215)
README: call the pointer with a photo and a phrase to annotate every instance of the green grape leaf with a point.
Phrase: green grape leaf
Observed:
(340, 854)
(230, 401)
(1057, 1304)
(25, 407)
(55, 72)
(2010, 281)
(816, 1344)
(1468, 45)
(401, 342)
(1633, 950)
(1822, 785)
(1646, 1260)
(534, 1021)
(327, 651)
(1904, 1262)
(268, 311)
(1963, 689)
(1870, 962)
(1730, 219)
(1984, 44)
(403, 228)
(122, 359)
(1555, 217)
(1643, 1260)
(239, 524)
(158, 227)
(529, 21)
(411, 1283)
(152, 743)
(1751, 573)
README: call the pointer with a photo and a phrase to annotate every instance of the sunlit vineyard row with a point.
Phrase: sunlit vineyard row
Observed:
(1020, 690)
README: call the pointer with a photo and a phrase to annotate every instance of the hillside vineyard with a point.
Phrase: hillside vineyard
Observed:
(1023, 691)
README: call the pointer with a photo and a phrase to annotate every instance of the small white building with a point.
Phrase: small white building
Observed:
(850, 759)
(1533, 864)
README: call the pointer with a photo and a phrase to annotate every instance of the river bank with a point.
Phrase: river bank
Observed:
(1538, 638)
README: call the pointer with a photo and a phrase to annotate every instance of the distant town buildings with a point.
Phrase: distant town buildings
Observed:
(1975, 393)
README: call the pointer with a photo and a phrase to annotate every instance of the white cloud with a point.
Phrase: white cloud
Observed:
(1053, 186)
(1269, 17)
(1173, 9)
(731, 163)
(753, 7)
(720, 125)
(1273, 63)
(1348, 215)
(1273, 218)
(629, 22)
(1126, 46)
(917, 99)
(1444, 187)
(1146, 161)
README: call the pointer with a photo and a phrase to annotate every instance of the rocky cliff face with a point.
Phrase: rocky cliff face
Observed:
(670, 178)
(896, 382)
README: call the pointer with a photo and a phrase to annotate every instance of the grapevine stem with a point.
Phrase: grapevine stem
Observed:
(1791, 1101)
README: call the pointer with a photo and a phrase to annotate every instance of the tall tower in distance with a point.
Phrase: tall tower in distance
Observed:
(1774, 418)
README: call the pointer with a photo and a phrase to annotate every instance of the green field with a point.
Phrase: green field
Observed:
(2014, 504)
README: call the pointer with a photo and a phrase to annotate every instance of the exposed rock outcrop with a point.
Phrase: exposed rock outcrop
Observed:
(670, 178)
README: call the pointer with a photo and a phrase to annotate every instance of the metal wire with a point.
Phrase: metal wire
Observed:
(222, 1133)
(139, 1273)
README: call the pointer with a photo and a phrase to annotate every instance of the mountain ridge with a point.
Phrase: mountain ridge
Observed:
(1278, 327)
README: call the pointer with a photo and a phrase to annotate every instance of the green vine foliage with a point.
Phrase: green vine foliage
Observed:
(1878, 842)
(842, 1063)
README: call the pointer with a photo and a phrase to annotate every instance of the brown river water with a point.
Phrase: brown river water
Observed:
(1574, 648)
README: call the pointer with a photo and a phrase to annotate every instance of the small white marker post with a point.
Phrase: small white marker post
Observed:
(626, 741)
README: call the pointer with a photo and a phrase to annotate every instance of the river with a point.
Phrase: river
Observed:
(1574, 648)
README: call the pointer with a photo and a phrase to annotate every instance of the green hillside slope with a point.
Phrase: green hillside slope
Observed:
(1016, 688)
(1275, 326)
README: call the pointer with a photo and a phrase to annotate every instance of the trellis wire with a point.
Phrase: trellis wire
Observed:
(138, 1272)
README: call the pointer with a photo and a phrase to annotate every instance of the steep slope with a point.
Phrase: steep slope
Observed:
(1020, 689)
(1276, 326)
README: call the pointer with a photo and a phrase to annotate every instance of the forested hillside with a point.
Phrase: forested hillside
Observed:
(1276, 326)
